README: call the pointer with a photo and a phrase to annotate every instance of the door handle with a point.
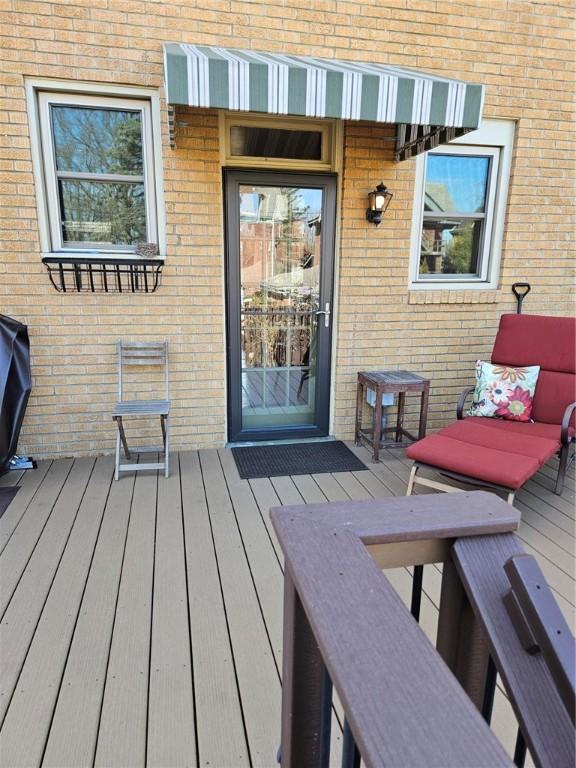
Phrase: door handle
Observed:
(326, 312)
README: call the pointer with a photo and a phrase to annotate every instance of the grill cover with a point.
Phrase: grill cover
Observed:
(15, 385)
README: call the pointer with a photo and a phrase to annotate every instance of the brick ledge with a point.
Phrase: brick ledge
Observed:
(452, 297)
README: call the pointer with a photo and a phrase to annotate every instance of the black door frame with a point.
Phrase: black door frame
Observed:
(232, 178)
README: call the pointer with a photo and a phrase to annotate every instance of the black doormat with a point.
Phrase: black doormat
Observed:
(6, 496)
(295, 459)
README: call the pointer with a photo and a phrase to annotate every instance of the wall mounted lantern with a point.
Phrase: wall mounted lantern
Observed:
(378, 202)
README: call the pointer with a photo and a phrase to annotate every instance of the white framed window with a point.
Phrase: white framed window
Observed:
(97, 165)
(460, 199)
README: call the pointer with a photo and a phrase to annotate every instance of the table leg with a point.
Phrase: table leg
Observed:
(359, 407)
(377, 426)
(423, 411)
(400, 418)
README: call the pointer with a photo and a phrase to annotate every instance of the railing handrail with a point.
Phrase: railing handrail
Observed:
(388, 676)
(344, 622)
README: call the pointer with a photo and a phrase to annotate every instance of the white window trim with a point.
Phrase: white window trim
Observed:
(498, 134)
(39, 94)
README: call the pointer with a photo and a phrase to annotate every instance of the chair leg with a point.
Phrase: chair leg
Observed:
(123, 436)
(166, 433)
(411, 480)
(562, 470)
(117, 463)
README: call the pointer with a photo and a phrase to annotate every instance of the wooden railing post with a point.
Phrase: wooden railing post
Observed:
(461, 640)
(306, 690)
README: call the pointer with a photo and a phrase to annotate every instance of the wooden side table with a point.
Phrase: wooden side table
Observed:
(386, 382)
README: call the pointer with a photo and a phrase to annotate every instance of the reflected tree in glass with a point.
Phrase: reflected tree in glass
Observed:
(95, 151)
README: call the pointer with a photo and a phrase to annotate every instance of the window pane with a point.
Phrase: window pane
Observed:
(450, 247)
(273, 142)
(99, 140)
(456, 183)
(99, 212)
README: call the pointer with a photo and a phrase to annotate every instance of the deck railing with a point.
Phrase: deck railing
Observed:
(405, 703)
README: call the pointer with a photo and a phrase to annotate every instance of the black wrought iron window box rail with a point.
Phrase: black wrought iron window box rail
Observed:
(69, 274)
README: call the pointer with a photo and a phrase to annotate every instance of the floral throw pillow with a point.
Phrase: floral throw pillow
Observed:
(504, 392)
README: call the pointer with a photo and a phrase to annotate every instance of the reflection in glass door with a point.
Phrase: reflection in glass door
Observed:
(280, 253)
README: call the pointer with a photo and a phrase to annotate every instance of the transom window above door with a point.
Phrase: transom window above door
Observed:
(97, 169)
(279, 143)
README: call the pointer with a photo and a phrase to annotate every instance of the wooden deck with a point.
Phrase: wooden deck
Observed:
(142, 620)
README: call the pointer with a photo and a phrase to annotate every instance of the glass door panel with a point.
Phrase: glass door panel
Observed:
(280, 289)
(281, 304)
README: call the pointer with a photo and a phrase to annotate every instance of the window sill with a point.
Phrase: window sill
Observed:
(86, 257)
(453, 296)
(70, 273)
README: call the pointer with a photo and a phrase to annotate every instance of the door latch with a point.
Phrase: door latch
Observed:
(326, 313)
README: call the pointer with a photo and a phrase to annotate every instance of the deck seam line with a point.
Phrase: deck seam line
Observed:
(252, 579)
(242, 714)
(40, 534)
(28, 504)
(192, 671)
(561, 532)
(264, 522)
(93, 763)
(151, 624)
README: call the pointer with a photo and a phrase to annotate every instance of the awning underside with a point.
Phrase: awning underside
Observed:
(428, 110)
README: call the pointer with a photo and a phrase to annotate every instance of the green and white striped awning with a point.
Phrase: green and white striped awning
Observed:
(278, 84)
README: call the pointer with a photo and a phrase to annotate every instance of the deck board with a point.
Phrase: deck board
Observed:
(259, 682)
(221, 737)
(23, 612)
(28, 484)
(74, 729)
(143, 619)
(330, 487)
(264, 566)
(27, 723)
(22, 542)
(171, 733)
(123, 720)
(11, 478)
(266, 498)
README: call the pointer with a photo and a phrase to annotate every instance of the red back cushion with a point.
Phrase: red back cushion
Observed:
(554, 391)
(549, 342)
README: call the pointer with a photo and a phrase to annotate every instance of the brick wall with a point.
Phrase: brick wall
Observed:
(522, 51)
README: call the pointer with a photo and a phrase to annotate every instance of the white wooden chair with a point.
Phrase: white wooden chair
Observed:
(135, 354)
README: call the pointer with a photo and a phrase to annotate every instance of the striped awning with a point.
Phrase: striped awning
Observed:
(278, 84)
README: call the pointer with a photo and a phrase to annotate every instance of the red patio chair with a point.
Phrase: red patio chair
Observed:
(503, 455)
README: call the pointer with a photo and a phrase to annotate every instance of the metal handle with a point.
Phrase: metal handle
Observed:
(520, 290)
(326, 312)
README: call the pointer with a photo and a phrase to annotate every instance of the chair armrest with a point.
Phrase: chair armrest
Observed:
(566, 423)
(461, 401)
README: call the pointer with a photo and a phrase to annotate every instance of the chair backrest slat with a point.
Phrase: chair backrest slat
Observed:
(146, 353)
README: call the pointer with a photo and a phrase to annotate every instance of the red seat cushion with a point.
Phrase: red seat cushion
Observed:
(510, 470)
(498, 452)
(527, 428)
(478, 431)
